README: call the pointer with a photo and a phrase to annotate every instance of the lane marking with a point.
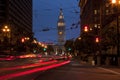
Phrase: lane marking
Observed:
(109, 70)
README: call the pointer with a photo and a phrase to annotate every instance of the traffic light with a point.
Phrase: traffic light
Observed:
(97, 39)
(44, 49)
(69, 49)
(22, 40)
(86, 28)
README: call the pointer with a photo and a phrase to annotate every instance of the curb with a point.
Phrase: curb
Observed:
(109, 70)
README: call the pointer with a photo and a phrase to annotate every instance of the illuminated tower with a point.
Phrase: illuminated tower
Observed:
(61, 32)
(61, 29)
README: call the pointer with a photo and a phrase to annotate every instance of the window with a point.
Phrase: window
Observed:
(107, 12)
(95, 11)
(60, 17)
(61, 24)
(95, 25)
(60, 33)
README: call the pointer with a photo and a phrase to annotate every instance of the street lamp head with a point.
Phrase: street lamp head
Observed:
(3, 30)
(79, 38)
(113, 1)
(6, 26)
(6, 29)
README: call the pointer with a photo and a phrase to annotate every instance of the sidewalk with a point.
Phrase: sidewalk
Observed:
(112, 69)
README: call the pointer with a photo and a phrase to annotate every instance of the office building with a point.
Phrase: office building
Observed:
(17, 16)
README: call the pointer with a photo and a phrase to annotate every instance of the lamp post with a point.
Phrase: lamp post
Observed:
(6, 38)
(6, 30)
(117, 3)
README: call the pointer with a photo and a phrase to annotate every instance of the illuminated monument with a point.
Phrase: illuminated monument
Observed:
(61, 34)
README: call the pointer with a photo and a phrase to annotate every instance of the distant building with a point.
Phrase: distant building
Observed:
(90, 13)
(61, 29)
(17, 15)
(61, 33)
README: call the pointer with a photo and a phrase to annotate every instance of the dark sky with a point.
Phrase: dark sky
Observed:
(45, 16)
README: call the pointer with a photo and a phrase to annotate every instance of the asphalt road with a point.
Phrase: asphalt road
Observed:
(72, 71)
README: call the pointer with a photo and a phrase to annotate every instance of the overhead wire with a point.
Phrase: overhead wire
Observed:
(67, 9)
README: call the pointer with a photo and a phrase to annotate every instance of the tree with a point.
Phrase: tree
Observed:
(69, 45)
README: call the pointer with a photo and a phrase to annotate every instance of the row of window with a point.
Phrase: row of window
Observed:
(98, 12)
(21, 14)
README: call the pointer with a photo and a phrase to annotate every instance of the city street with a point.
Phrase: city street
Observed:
(72, 71)
(21, 67)
(76, 71)
(60, 40)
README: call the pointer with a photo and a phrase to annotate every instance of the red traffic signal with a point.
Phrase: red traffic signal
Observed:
(22, 40)
(86, 28)
(97, 39)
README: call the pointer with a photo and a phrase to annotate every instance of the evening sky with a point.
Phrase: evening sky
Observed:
(45, 16)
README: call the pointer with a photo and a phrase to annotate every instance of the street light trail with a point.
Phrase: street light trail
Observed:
(28, 65)
(33, 70)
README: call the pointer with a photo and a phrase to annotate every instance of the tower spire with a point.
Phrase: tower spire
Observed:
(61, 28)
(61, 32)
(61, 12)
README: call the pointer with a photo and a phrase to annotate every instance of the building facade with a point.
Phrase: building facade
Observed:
(101, 17)
(61, 29)
(17, 16)
(59, 48)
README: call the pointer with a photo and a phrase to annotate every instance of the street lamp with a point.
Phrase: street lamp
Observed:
(117, 2)
(6, 37)
(79, 38)
(6, 30)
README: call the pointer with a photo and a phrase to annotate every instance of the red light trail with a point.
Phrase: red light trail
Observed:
(8, 76)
